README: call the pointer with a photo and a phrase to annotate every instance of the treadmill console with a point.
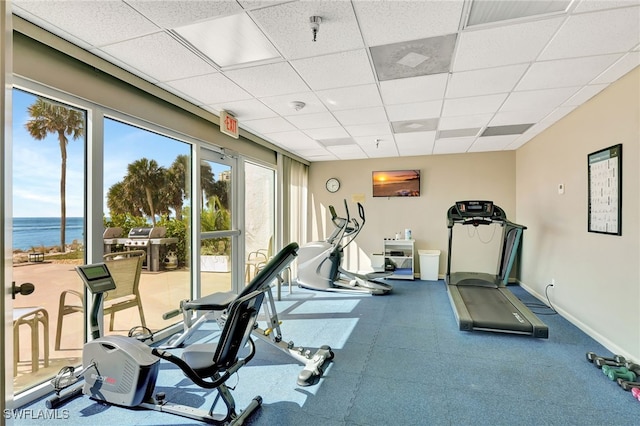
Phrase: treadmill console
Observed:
(475, 213)
(474, 208)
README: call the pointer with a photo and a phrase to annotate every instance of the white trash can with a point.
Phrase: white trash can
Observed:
(429, 264)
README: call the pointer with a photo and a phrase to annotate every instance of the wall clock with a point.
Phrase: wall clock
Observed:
(332, 185)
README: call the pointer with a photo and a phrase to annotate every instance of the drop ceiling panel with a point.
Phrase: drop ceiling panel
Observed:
(97, 23)
(210, 89)
(415, 89)
(414, 111)
(584, 94)
(420, 143)
(288, 27)
(336, 70)
(474, 105)
(268, 80)
(250, 109)
(355, 117)
(368, 129)
(327, 133)
(420, 19)
(506, 45)
(452, 145)
(313, 121)
(295, 140)
(542, 99)
(155, 55)
(565, 72)
(282, 104)
(492, 143)
(608, 31)
(351, 97)
(464, 121)
(485, 82)
(504, 118)
(620, 68)
(269, 125)
(174, 13)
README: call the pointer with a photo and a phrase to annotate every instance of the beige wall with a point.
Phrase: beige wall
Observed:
(597, 277)
(444, 180)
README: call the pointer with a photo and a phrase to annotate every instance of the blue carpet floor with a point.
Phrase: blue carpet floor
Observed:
(399, 360)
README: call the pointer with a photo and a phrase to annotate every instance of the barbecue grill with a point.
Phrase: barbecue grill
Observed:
(153, 241)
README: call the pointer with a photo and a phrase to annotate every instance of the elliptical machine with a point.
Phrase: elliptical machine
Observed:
(320, 262)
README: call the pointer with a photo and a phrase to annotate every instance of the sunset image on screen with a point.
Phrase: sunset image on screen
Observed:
(396, 183)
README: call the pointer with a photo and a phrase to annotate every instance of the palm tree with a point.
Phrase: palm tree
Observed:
(146, 175)
(62, 121)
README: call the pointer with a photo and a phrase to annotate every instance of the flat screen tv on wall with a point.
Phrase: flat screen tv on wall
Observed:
(396, 183)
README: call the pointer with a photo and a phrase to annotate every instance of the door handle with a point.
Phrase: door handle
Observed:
(23, 289)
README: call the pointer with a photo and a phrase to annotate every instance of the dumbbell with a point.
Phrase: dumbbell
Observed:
(599, 361)
(614, 373)
(627, 385)
(636, 393)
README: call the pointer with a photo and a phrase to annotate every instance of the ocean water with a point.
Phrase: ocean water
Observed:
(31, 232)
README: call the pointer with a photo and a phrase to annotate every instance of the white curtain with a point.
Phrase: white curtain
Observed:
(295, 178)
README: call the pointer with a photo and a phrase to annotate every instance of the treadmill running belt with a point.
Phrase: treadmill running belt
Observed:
(496, 312)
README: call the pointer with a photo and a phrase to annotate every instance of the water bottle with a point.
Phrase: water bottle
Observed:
(407, 234)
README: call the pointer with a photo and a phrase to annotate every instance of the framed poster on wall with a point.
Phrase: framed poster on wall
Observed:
(605, 191)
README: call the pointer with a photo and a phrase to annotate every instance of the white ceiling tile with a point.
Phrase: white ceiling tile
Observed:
(452, 145)
(250, 109)
(414, 111)
(355, 117)
(523, 116)
(484, 82)
(382, 141)
(295, 140)
(351, 97)
(584, 94)
(288, 27)
(282, 104)
(552, 118)
(592, 5)
(327, 133)
(268, 80)
(347, 151)
(414, 89)
(336, 70)
(314, 121)
(523, 139)
(598, 33)
(464, 121)
(492, 143)
(210, 89)
(269, 125)
(620, 68)
(473, 106)
(565, 72)
(368, 129)
(416, 143)
(504, 45)
(156, 54)
(174, 13)
(420, 19)
(96, 22)
(542, 99)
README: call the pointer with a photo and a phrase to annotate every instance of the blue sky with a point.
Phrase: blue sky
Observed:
(36, 164)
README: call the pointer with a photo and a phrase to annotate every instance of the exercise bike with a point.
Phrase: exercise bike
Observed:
(320, 262)
(122, 370)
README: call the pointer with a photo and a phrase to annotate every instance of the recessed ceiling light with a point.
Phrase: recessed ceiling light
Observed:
(412, 59)
(488, 11)
(229, 41)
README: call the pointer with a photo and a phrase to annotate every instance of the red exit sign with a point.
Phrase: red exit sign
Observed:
(229, 124)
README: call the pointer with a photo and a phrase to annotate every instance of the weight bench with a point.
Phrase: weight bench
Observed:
(213, 304)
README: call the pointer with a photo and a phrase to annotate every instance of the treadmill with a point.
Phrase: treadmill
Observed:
(482, 301)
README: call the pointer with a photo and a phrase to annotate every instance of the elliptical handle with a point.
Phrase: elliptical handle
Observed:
(361, 212)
